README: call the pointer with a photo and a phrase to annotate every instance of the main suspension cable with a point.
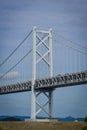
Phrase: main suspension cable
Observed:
(74, 43)
(16, 64)
(69, 46)
(7, 58)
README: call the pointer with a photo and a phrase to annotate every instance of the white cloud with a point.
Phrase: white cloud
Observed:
(11, 75)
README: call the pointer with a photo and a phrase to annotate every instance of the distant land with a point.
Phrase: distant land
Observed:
(23, 118)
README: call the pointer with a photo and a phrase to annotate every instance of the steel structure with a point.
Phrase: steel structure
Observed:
(48, 61)
(45, 85)
(58, 81)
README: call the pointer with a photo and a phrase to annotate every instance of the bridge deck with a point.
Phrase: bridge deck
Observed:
(47, 83)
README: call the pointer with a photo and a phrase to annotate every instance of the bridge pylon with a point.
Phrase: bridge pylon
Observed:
(45, 41)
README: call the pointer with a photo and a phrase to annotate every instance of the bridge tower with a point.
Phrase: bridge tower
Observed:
(47, 37)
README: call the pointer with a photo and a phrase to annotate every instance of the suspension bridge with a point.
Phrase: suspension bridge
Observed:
(42, 64)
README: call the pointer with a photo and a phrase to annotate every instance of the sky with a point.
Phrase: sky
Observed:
(68, 20)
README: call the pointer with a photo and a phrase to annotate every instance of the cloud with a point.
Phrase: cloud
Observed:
(11, 75)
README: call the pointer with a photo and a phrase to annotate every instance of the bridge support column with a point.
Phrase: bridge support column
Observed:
(50, 104)
(33, 104)
(38, 56)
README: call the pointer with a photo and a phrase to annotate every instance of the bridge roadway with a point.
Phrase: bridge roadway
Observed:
(47, 83)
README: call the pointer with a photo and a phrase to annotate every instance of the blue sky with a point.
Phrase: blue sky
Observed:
(67, 18)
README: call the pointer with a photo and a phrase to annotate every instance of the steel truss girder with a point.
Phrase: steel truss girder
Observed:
(62, 80)
(47, 83)
(18, 87)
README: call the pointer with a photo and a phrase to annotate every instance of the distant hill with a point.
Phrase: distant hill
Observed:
(22, 118)
(11, 119)
(2, 117)
(69, 118)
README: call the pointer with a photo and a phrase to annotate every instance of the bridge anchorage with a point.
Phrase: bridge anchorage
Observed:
(45, 41)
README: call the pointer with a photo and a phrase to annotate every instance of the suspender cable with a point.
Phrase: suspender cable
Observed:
(74, 43)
